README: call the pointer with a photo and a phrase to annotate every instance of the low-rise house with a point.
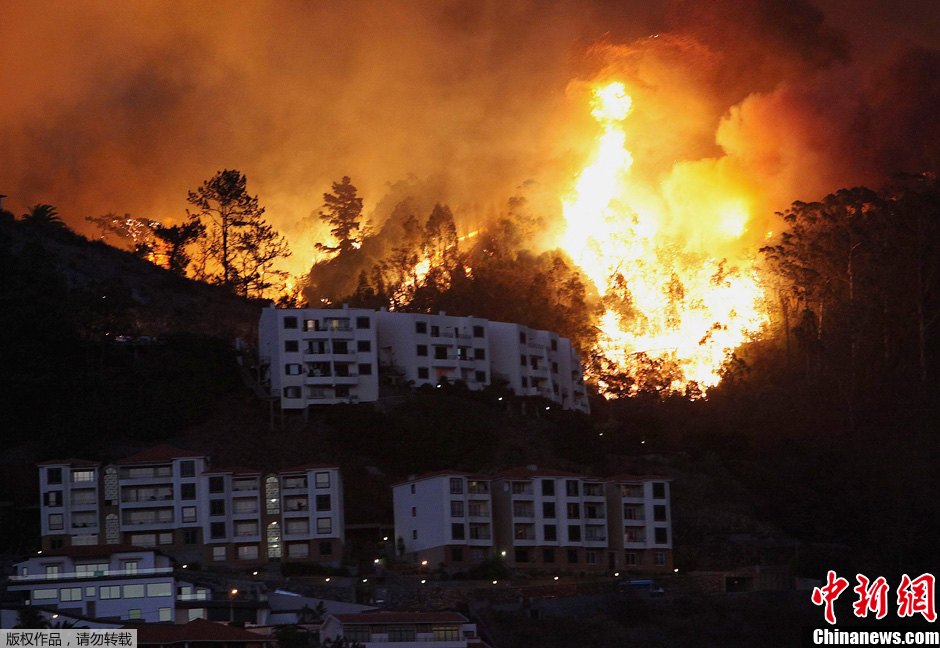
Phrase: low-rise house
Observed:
(403, 629)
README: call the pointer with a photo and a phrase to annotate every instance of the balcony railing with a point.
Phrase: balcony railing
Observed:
(28, 578)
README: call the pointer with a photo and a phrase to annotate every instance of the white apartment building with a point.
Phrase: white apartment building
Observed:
(640, 513)
(319, 356)
(444, 518)
(403, 629)
(326, 356)
(113, 583)
(170, 498)
(550, 519)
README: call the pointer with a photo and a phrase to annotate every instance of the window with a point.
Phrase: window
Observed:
(522, 508)
(108, 592)
(591, 557)
(477, 331)
(53, 475)
(364, 346)
(548, 487)
(144, 539)
(550, 532)
(401, 633)
(165, 614)
(634, 534)
(422, 350)
(216, 484)
(412, 489)
(440, 353)
(456, 508)
(297, 526)
(325, 548)
(574, 511)
(480, 376)
(659, 490)
(293, 369)
(554, 367)
(41, 594)
(165, 538)
(414, 511)
(661, 535)
(456, 554)
(458, 531)
(548, 555)
(421, 327)
(456, 486)
(55, 521)
(365, 370)
(358, 634)
(324, 525)
(272, 495)
(52, 499)
(574, 533)
(70, 594)
(323, 503)
(160, 589)
(414, 534)
(572, 556)
(79, 476)
(659, 558)
(342, 391)
(217, 530)
(659, 513)
(522, 555)
(218, 554)
(291, 346)
(479, 354)
(340, 347)
(363, 323)
(187, 469)
(290, 322)
(189, 513)
(190, 537)
(133, 591)
(435, 331)
(525, 382)
(298, 550)
(522, 361)
(134, 613)
(594, 511)
(571, 487)
(248, 552)
(423, 373)
(321, 480)
(521, 337)
(631, 559)
(554, 345)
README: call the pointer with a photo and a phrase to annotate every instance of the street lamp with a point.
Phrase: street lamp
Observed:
(231, 605)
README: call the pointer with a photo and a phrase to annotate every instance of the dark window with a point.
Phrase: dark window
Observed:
(342, 391)
(217, 530)
(659, 490)
(188, 491)
(571, 487)
(340, 347)
(440, 353)
(291, 345)
(187, 469)
(53, 498)
(522, 360)
(554, 345)
(457, 531)
(323, 503)
(548, 487)
(548, 509)
(414, 534)
(574, 511)
(456, 485)
(456, 554)
(53, 475)
(190, 536)
(423, 373)
(521, 337)
(55, 543)
(365, 369)
(216, 484)
(572, 556)
(217, 507)
(478, 331)
(412, 489)
(659, 513)
(363, 323)
(662, 537)
(421, 327)
(534, 362)
(326, 548)
(414, 511)
(290, 322)
(548, 555)
(292, 392)
(522, 555)
(551, 532)
(554, 367)
(364, 346)
(479, 354)
(574, 533)
(481, 376)
(435, 331)
(456, 508)
(423, 350)
(525, 381)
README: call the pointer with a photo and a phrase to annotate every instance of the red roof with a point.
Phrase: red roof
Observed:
(197, 630)
(309, 466)
(636, 478)
(401, 617)
(161, 453)
(526, 472)
(84, 463)
(94, 551)
(235, 470)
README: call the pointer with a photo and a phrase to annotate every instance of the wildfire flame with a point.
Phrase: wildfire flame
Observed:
(667, 299)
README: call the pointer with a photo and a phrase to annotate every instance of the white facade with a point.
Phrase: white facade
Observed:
(444, 518)
(320, 356)
(172, 499)
(129, 584)
(299, 346)
(403, 629)
(640, 511)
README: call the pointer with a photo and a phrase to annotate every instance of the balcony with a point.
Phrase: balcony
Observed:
(107, 573)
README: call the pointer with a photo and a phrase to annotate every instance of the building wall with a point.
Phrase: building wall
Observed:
(644, 553)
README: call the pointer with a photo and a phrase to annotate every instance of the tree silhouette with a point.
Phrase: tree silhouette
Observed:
(176, 239)
(43, 215)
(342, 210)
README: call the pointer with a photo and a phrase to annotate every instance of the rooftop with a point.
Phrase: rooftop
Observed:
(401, 617)
(160, 453)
